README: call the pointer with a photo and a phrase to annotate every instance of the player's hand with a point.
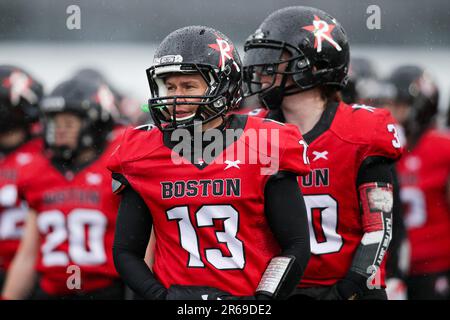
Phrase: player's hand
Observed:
(349, 288)
(177, 292)
(341, 291)
(331, 294)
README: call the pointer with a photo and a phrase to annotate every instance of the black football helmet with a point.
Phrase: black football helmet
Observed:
(111, 96)
(20, 95)
(418, 90)
(195, 50)
(360, 69)
(84, 99)
(318, 48)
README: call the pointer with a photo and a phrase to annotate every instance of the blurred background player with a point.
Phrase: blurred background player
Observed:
(424, 173)
(70, 226)
(297, 63)
(20, 95)
(365, 87)
(359, 70)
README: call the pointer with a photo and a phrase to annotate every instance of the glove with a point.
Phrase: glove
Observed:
(349, 288)
(332, 294)
(177, 292)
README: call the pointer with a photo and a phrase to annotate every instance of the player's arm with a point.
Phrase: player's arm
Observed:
(132, 235)
(375, 190)
(133, 229)
(21, 275)
(286, 214)
(150, 252)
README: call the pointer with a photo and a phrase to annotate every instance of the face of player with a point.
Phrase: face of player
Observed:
(267, 79)
(399, 110)
(185, 85)
(67, 128)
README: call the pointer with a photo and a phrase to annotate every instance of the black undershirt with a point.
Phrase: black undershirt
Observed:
(284, 208)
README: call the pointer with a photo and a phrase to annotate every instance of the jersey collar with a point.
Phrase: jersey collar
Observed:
(233, 122)
(321, 126)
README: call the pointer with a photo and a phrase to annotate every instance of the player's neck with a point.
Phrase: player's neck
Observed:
(304, 109)
(212, 124)
(85, 156)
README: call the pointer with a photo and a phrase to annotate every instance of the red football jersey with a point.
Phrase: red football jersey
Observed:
(76, 214)
(342, 139)
(12, 210)
(424, 172)
(209, 219)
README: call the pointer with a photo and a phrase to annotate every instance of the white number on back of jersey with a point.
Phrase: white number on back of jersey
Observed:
(205, 217)
(80, 222)
(329, 220)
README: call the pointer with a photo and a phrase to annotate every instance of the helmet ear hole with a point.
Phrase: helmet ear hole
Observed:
(321, 65)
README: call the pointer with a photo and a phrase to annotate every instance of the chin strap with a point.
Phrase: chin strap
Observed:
(273, 98)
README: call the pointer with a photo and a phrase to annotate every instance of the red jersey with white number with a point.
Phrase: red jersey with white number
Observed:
(12, 210)
(209, 218)
(76, 214)
(424, 173)
(343, 138)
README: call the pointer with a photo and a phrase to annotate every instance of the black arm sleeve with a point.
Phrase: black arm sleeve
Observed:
(393, 268)
(133, 229)
(374, 169)
(286, 213)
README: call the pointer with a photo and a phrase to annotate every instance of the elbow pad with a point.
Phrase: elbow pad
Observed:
(376, 207)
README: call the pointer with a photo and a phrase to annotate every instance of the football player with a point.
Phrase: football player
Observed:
(226, 227)
(70, 226)
(297, 62)
(424, 178)
(365, 87)
(20, 95)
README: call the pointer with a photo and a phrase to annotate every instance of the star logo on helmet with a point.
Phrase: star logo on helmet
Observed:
(322, 32)
(19, 85)
(105, 98)
(226, 53)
